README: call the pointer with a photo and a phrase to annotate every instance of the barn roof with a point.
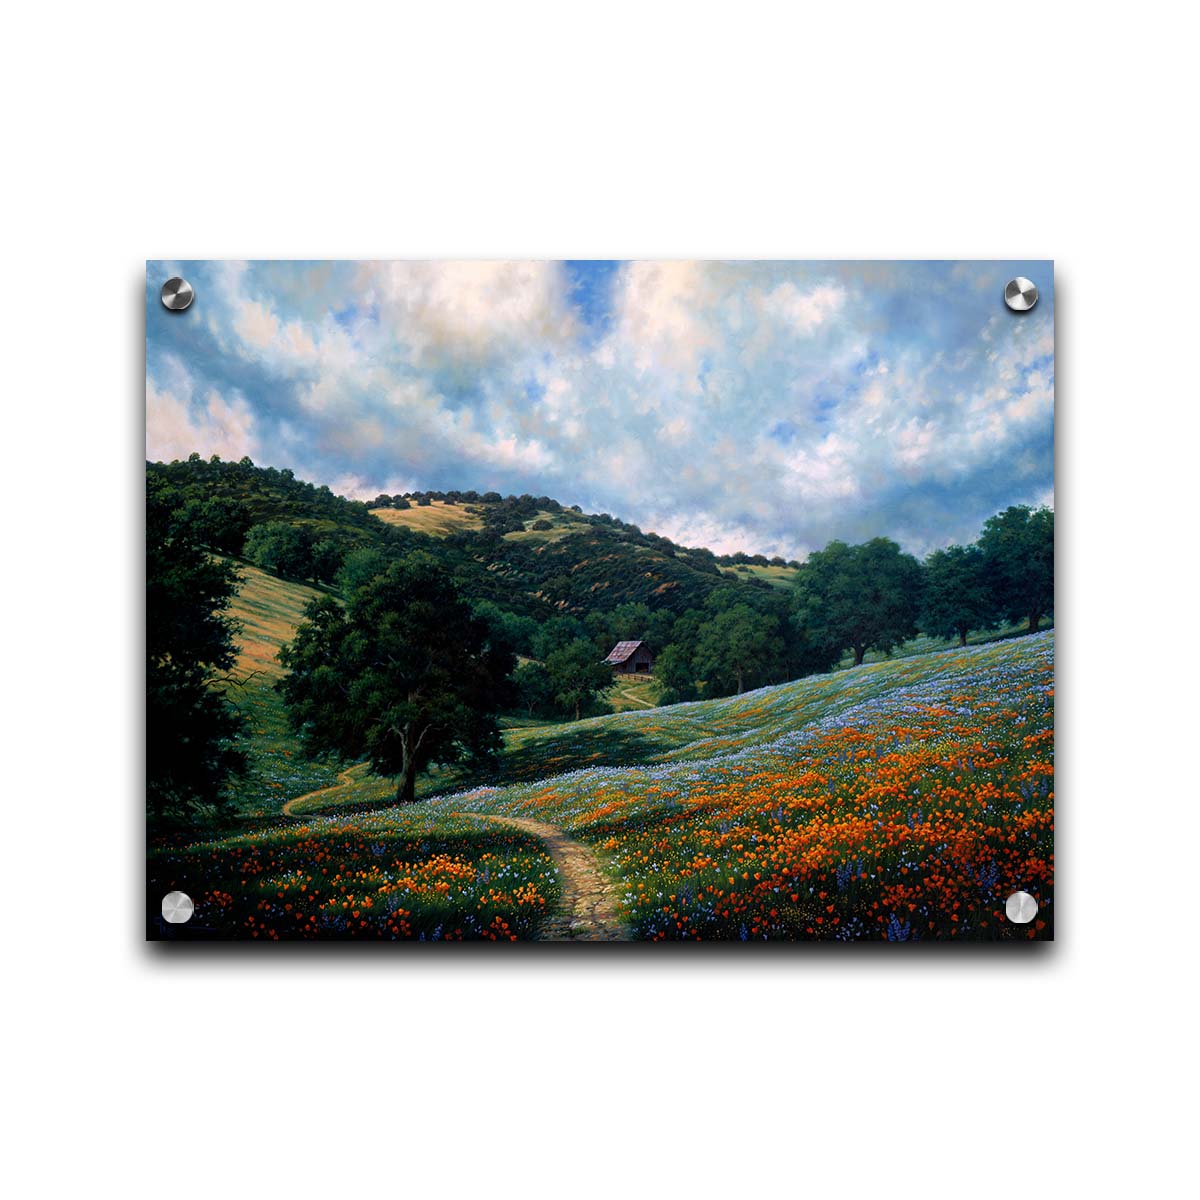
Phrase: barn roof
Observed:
(622, 650)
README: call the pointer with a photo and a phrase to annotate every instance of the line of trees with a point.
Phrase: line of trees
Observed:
(847, 600)
(412, 664)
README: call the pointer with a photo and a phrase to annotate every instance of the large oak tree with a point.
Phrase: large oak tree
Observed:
(861, 598)
(404, 675)
(956, 598)
(1018, 558)
(736, 647)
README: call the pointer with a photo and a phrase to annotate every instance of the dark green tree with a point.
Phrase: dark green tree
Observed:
(578, 676)
(282, 548)
(631, 622)
(404, 675)
(674, 671)
(599, 628)
(1018, 563)
(860, 598)
(327, 558)
(956, 598)
(535, 691)
(191, 727)
(216, 522)
(735, 648)
(806, 650)
(359, 567)
(517, 631)
(556, 633)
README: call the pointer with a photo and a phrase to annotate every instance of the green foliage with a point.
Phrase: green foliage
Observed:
(1018, 562)
(674, 671)
(359, 567)
(281, 547)
(736, 649)
(516, 631)
(191, 729)
(216, 522)
(535, 689)
(956, 598)
(630, 622)
(860, 597)
(578, 677)
(555, 634)
(598, 578)
(327, 558)
(403, 675)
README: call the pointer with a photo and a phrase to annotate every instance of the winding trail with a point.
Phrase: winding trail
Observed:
(588, 912)
(641, 704)
(344, 779)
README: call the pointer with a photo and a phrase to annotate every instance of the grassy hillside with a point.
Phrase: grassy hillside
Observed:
(777, 577)
(633, 692)
(581, 564)
(268, 610)
(437, 519)
(899, 801)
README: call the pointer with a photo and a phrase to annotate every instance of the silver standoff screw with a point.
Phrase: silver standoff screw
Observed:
(177, 294)
(177, 907)
(1020, 294)
(1020, 908)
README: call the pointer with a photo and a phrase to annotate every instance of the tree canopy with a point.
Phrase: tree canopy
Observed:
(577, 675)
(737, 647)
(861, 598)
(404, 675)
(191, 727)
(956, 598)
(1018, 562)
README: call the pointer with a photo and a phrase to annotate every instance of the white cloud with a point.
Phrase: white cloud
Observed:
(805, 310)
(760, 406)
(178, 423)
(474, 311)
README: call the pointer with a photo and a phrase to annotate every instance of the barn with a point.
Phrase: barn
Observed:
(631, 658)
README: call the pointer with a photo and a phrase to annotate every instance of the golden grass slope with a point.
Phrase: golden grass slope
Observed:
(269, 610)
(436, 519)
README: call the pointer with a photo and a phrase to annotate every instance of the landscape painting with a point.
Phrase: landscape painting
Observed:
(589, 601)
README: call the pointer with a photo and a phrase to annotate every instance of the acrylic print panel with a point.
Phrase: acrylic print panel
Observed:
(600, 601)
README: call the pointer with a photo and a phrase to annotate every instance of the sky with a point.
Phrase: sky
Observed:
(769, 407)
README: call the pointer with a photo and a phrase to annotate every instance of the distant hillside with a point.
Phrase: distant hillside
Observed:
(528, 555)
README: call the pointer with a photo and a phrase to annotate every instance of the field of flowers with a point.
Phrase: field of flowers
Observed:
(898, 801)
(393, 874)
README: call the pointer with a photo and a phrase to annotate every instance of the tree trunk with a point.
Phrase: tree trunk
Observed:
(962, 637)
(1035, 619)
(406, 791)
(740, 681)
(859, 651)
(577, 710)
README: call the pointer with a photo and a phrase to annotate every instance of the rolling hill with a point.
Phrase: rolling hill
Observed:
(893, 801)
(530, 556)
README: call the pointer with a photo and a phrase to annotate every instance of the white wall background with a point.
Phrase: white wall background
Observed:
(872, 130)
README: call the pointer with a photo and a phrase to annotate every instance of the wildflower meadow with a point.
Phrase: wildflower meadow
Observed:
(899, 801)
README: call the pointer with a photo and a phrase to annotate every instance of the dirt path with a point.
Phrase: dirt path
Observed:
(589, 907)
(642, 703)
(344, 780)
